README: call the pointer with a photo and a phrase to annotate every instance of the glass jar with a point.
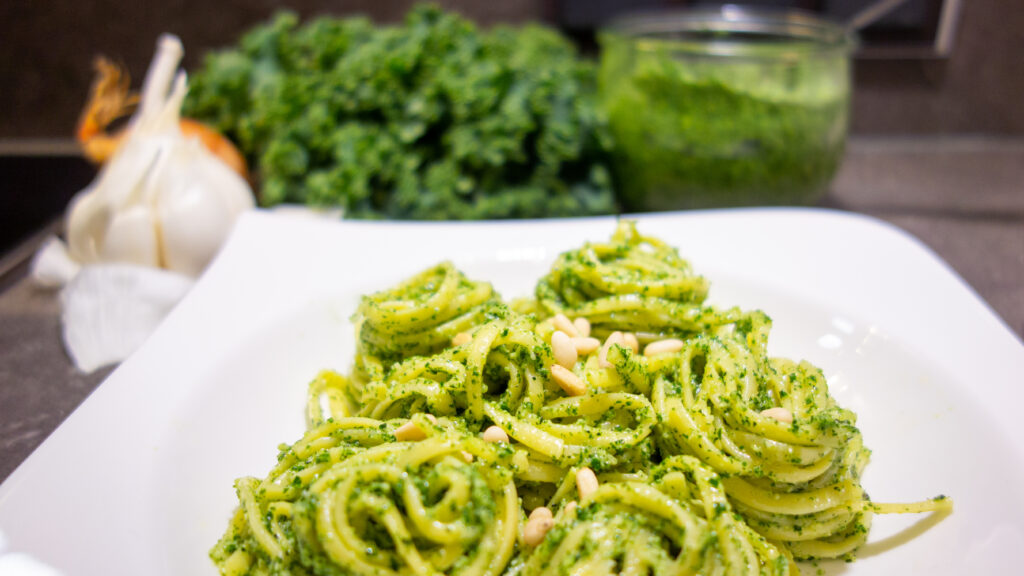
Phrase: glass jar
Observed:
(725, 107)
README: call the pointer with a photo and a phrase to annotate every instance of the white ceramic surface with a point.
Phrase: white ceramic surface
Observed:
(138, 480)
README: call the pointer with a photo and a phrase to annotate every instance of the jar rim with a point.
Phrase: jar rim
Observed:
(733, 30)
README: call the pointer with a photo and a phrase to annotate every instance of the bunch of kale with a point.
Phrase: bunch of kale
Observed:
(431, 119)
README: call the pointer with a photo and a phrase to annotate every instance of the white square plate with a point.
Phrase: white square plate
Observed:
(139, 479)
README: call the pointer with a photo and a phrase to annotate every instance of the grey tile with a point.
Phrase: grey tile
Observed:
(969, 177)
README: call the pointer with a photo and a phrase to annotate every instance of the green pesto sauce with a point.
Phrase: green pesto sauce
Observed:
(697, 134)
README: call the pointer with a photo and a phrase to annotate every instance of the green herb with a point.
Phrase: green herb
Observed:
(430, 119)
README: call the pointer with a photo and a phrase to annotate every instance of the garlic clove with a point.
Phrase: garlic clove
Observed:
(87, 220)
(197, 208)
(52, 266)
(131, 238)
(163, 200)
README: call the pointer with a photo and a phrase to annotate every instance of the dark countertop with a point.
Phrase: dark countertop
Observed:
(964, 197)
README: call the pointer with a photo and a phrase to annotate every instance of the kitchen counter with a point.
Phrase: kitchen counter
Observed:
(963, 197)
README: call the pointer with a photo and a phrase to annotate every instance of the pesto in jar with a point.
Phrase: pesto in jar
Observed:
(702, 131)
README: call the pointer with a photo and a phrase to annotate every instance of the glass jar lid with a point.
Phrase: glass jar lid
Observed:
(736, 31)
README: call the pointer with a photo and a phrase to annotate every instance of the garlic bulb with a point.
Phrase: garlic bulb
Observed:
(163, 200)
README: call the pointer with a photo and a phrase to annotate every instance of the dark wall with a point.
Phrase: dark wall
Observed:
(979, 89)
(48, 46)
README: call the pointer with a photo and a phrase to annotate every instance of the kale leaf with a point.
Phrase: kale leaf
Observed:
(430, 119)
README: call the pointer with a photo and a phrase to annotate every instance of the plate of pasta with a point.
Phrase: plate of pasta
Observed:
(729, 392)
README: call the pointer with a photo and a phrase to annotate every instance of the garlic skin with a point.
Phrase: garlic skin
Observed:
(163, 200)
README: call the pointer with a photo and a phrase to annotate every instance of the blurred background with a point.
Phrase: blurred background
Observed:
(931, 68)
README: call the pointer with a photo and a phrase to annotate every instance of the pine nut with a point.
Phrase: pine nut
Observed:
(466, 456)
(536, 529)
(582, 326)
(569, 382)
(666, 346)
(565, 352)
(630, 339)
(563, 323)
(586, 482)
(409, 432)
(495, 435)
(461, 338)
(570, 508)
(586, 345)
(602, 357)
(778, 413)
(541, 512)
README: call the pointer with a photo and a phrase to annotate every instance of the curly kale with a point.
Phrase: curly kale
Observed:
(431, 119)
